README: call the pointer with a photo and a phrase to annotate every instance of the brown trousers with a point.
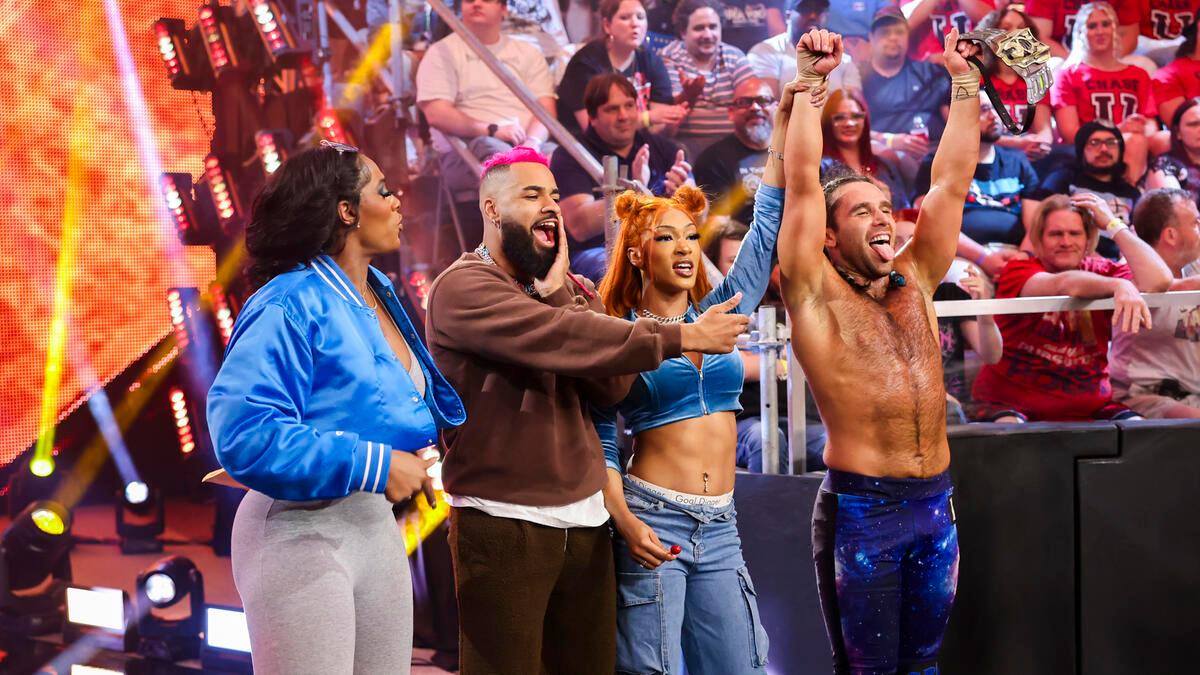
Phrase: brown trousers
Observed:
(533, 599)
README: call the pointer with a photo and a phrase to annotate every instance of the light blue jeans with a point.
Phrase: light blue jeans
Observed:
(703, 600)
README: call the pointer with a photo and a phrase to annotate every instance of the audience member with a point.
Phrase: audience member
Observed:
(931, 19)
(1013, 91)
(846, 130)
(704, 72)
(621, 50)
(955, 334)
(1160, 25)
(1055, 20)
(461, 97)
(1099, 169)
(992, 212)
(1180, 79)
(613, 129)
(1157, 370)
(852, 20)
(1095, 85)
(1180, 168)
(731, 169)
(907, 98)
(774, 59)
(745, 23)
(1055, 364)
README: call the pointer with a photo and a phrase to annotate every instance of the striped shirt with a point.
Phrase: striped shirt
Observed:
(710, 114)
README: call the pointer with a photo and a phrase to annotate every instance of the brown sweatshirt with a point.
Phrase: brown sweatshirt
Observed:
(526, 370)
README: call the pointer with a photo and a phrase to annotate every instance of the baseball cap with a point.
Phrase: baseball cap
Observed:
(809, 5)
(887, 15)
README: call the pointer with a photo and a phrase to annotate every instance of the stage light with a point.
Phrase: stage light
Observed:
(213, 22)
(224, 195)
(34, 569)
(226, 640)
(183, 422)
(141, 518)
(41, 467)
(179, 55)
(330, 126)
(78, 669)
(164, 584)
(271, 149)
(222, 312)
(273, 29)
(102, 614)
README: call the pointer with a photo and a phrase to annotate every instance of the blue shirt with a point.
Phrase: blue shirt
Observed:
(311, 399)
(999, 184)
(852, 18)
(920, 89)
(678, 390)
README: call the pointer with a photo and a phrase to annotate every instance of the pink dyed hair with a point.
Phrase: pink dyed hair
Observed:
(517, 155)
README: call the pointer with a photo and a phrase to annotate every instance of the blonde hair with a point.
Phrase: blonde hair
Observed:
(1079, 43)
(1056, 203)
(621, 289)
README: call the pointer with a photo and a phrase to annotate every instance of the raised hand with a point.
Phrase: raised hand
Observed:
(956, 53)
(639, 168)
(557, 276)
(976, 286)
(678, 174)
(1099, 209)
(818, 52)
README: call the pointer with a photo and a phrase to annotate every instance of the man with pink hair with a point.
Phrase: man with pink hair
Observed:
(528, 347)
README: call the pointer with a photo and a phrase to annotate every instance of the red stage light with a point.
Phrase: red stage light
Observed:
(330, 126)
(183, 422)
(174, 189)
(220, 184)
(270, 150)
(273, 29)
(215, 35)
(222, 312)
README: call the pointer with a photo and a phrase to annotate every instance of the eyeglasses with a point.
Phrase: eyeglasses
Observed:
(747, 101)
(843, 118)
(1109, 143)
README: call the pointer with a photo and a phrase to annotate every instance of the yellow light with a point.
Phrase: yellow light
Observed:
(41, 467)
(48, 521)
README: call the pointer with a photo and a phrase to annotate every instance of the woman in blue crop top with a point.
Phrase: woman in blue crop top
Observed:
(324, 398)
(681, 578)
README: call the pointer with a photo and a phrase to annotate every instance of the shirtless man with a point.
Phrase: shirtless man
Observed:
(884, 541)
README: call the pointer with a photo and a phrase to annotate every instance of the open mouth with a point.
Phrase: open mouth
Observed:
(882, 245)
(684, 268)
(546, 232)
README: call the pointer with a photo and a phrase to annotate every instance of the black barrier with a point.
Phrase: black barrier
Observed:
(1139, 542)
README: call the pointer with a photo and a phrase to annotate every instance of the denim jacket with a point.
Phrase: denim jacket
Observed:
(311, 399)
(678, 390)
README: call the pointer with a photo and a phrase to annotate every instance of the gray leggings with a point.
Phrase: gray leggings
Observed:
(325, 585)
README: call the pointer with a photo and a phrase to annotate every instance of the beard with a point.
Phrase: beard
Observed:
(1113, 170)
(757, 131)
(990, 136)
(516, 241)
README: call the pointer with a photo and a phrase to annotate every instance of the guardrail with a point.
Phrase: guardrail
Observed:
(770, 343)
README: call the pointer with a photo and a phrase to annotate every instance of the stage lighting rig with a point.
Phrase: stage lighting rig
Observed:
(194, 220)
(183, 421)
(278, 39)
(34, 569)
(163, 585)
(224, 194)
(103, 615)
(140, 518)
(332, 128)
(272, 146)
(226, 640)
(177, 47)
(215, 23)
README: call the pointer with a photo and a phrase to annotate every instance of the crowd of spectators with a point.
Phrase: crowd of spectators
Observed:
(1097, 200)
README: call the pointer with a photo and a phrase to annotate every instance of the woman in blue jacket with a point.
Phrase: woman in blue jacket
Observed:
(681, 578)
(325, 396)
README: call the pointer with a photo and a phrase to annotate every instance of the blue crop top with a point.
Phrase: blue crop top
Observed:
(678, 390)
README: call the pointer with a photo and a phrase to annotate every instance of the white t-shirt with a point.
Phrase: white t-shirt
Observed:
(587, 512)
(1168, 351)
(452, 72)
(775, 59)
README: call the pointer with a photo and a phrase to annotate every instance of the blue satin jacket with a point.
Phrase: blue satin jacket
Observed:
(311, 398)
(678, 390)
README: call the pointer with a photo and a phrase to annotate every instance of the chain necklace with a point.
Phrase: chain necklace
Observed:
(483, 252)
(664, 319)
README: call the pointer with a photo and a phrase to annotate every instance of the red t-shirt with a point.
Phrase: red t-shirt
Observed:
(1062, 14)
(1166, 19)
(1055, 365)
(1110, 95)
(1015, 97)
(929, 37)
(1179, 78)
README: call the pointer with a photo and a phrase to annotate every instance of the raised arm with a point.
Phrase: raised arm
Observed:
(802, 252)
(940, 220)
(1150, 272)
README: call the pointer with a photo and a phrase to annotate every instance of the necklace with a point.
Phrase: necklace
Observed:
(895, 280)
(368, 295)
(483, 252)
(664, 319)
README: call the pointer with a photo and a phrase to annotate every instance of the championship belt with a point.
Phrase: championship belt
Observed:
(1027, 56)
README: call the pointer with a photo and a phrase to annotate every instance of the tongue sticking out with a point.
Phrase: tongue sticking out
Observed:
(885, 251)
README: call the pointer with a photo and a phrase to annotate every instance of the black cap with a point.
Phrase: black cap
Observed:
(817, 6)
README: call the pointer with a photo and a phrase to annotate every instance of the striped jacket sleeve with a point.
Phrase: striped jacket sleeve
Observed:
(256, 418)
